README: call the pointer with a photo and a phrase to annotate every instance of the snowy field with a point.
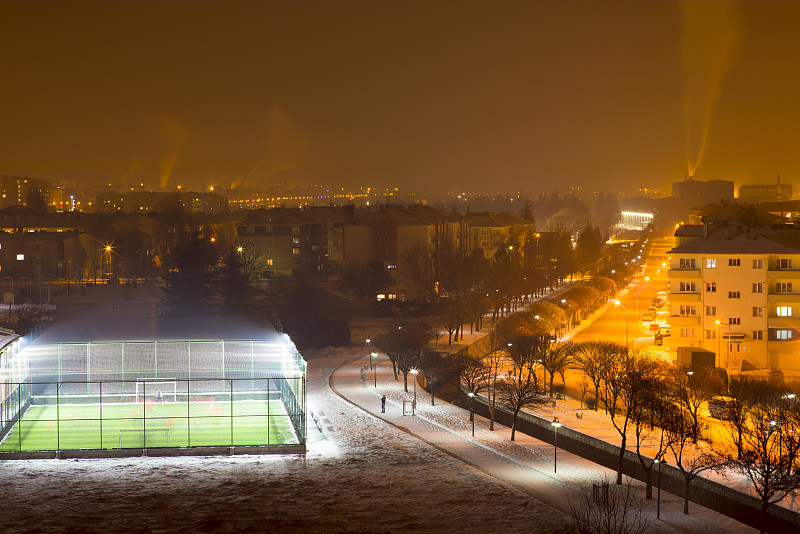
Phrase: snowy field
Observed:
(364, 476)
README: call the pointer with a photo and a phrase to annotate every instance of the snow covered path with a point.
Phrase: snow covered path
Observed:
(526, 464)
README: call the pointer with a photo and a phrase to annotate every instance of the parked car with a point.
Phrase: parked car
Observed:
(665, 332)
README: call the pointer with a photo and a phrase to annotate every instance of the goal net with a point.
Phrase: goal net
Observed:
(146, 388)
(138, 438)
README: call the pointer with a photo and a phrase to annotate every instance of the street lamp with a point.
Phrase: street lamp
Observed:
(618, 303)
(370, 352)
(658, 505)
(374, 355)
(555, 424)
(414, 402)
(472, 411)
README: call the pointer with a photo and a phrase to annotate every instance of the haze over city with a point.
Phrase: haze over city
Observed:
(400, 267)
(431, 96)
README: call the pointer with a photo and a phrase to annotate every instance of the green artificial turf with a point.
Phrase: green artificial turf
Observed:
(194, 424)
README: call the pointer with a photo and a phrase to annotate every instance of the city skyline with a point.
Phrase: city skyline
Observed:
(428, 96)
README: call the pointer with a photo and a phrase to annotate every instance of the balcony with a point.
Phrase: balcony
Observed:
(787, 299)
(783, 274)
(684, 297)
(685, 273)
(782, 322)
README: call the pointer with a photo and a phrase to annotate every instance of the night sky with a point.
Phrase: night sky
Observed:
(442, 96)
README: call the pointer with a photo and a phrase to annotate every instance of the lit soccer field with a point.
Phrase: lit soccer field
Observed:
(134, 425)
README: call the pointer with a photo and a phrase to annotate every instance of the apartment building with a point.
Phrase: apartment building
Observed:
(489, 231)
(735, 290)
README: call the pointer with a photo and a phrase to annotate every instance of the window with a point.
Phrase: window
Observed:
(757, 311)
(711, 310)
(758, 287)
(711, 263)
(295, 229)
(758, 334)
(485, 231)
(484, 244)
(269, 261)
(734, 347)
(687, 309)
(784, 263)
(688, 286)
(784, 311)
(783, 334)
(711, 287)
(780, 287)
(734, 295)
(269, 252)
(687, 263)
(711, 334)
(734, 262)
(758, 264)
(391, 266)
(687, 333)
(250, 230)
(734, 320)
(296, 240)
(295, 251)
(20, 257)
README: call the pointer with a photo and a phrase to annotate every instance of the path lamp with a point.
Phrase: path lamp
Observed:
(555, 424)
(373, 356)
(618, 303)
(472, 411)
(658, 505)
(370, 353)
(414, 403)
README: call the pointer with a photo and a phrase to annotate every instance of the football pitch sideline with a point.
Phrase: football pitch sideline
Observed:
(136, 425)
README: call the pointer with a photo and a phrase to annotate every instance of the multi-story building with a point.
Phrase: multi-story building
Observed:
(143, 202)
(489, 231)
(16, 190)
(735, 290)
(765, 193)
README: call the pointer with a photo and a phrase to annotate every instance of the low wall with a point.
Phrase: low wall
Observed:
(737, 505)
(156, 451)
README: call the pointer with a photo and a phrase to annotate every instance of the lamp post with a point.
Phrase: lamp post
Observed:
(555, 424)
(658, 505)
(472, 411)
(370, 353)
(619, 303)
(727, 344)
(373, 355)
(414, 402)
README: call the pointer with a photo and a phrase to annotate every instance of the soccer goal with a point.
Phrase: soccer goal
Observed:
(146, 387)
(138, 438)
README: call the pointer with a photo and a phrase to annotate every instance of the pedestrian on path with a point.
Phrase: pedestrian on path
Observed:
(363, 375)
(383, 404)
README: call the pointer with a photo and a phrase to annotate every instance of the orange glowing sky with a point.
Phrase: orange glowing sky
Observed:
(480, 96)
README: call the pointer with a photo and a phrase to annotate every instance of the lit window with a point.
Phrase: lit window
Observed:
(784, 311)
(20, 257)
(711, 263)
(296, 251)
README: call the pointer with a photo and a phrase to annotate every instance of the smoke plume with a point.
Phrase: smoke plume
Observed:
(711, 34)
(173, 135)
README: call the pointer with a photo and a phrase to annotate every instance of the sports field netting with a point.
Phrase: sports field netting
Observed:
(149, 394)
(193, 424)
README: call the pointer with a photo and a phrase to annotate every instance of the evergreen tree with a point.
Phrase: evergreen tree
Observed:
(189, 286)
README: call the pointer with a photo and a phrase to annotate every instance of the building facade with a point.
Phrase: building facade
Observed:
(735, 290)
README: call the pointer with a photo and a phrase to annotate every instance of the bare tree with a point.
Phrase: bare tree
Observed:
(770, 453)
(618, 511)
(438, 368)
(693, 388)
(691, 460)
(555, 358)
(519, 389)
(593, 358)
(627, 389)
(744, 393)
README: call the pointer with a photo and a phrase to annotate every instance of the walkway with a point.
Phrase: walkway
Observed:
(526, 464)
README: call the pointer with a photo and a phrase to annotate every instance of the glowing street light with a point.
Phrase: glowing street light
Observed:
(472, 411)
(555, 424)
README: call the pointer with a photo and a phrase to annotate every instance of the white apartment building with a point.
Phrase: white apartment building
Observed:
(736, 291)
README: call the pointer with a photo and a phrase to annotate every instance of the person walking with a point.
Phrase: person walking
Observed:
(364, 375)
(383, 404)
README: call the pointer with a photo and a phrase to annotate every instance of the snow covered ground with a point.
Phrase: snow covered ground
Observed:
(363, 476)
